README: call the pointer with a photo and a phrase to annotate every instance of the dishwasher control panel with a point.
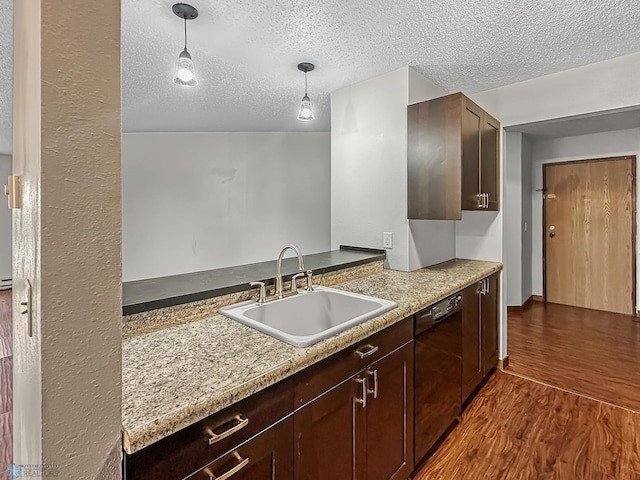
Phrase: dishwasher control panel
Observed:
(445, 306)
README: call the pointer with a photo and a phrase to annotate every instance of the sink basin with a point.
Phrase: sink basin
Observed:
(309, 317)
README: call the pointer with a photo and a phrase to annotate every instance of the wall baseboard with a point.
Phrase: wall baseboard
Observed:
(537, 298)
(504, 363)
(516, 308)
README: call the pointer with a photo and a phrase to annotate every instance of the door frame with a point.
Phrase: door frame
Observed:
(633, 218)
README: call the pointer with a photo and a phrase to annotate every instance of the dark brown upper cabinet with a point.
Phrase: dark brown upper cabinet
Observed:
(453, 151)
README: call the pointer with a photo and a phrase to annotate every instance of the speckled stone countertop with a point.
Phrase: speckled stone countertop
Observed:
(174, 377)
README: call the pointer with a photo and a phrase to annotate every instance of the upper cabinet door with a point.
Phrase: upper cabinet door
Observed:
(471, 137)
(490, 170)
(433, 159)
(452, 159)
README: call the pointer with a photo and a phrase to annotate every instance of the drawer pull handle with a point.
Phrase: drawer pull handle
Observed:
(243, 463)
(367, 353)
(242, 422)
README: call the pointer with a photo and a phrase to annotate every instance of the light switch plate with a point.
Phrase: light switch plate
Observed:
(387, 239)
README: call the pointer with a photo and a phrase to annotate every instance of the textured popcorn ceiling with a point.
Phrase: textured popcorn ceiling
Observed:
(246, 51)
(6, 77)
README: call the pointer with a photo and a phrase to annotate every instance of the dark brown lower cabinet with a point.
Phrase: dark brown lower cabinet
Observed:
(389, 413)
(472, 367)
(324, 435)
(479, 332)
(490, 319)
(268, 456)
(363, 427)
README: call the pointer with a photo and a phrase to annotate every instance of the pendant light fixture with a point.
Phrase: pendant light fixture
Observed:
(306, 110)
(184, 74)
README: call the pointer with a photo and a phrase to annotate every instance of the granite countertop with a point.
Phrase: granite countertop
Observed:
(174, 377)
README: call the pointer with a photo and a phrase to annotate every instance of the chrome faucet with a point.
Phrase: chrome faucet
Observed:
(278, 292)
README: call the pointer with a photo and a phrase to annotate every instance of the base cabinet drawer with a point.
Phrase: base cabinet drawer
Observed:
(191, 448)
(268, 456)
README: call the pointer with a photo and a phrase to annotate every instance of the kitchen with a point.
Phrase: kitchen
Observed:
(479, 235)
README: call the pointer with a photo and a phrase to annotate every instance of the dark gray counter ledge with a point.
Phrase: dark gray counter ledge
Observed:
(153, 293)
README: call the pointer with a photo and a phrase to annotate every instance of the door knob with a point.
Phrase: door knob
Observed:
(552, 234)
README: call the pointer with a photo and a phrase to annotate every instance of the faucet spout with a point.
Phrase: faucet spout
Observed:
(279, 268)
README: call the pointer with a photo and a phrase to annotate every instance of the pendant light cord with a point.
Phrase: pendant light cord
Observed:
(305, 84)
(185, 32)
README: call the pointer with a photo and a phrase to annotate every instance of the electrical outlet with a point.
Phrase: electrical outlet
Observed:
(387, 239)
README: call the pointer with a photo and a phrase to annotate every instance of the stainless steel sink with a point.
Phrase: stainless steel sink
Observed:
(309, 317)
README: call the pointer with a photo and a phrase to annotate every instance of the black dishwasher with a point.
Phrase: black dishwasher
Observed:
(438, 371)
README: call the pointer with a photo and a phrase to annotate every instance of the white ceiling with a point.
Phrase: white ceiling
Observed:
(246, 51)
(583, 125)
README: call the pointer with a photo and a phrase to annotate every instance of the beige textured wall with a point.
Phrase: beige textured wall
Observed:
(69, 234)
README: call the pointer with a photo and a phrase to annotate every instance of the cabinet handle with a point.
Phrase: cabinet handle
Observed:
(484, 286)
(374, 374)
(363, 384)
(243, 463)
(370, 350)
(485, 200)
(242, 422)
(480, 343)
(480, 197)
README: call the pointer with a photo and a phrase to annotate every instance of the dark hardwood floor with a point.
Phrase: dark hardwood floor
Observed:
(6, 386)
(566, 408)
(518, 429)
(591, 353)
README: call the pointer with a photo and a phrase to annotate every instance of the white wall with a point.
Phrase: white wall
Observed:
(5, 222)
(430, 241)
(369, 171)
(513, 217)
(527, 223)
(368, 166)
(199, 201)
(600, 145)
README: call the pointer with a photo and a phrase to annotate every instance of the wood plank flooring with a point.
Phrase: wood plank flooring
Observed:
(588, 352)
(517, 429)
(6, 384)
(566, 408)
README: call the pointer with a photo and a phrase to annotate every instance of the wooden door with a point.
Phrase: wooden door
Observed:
(471, 136)
(590, 234)
(472, 368)
(489, 315)
(390, 416)
(325, 434)
(490, 161)
(268, 456)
